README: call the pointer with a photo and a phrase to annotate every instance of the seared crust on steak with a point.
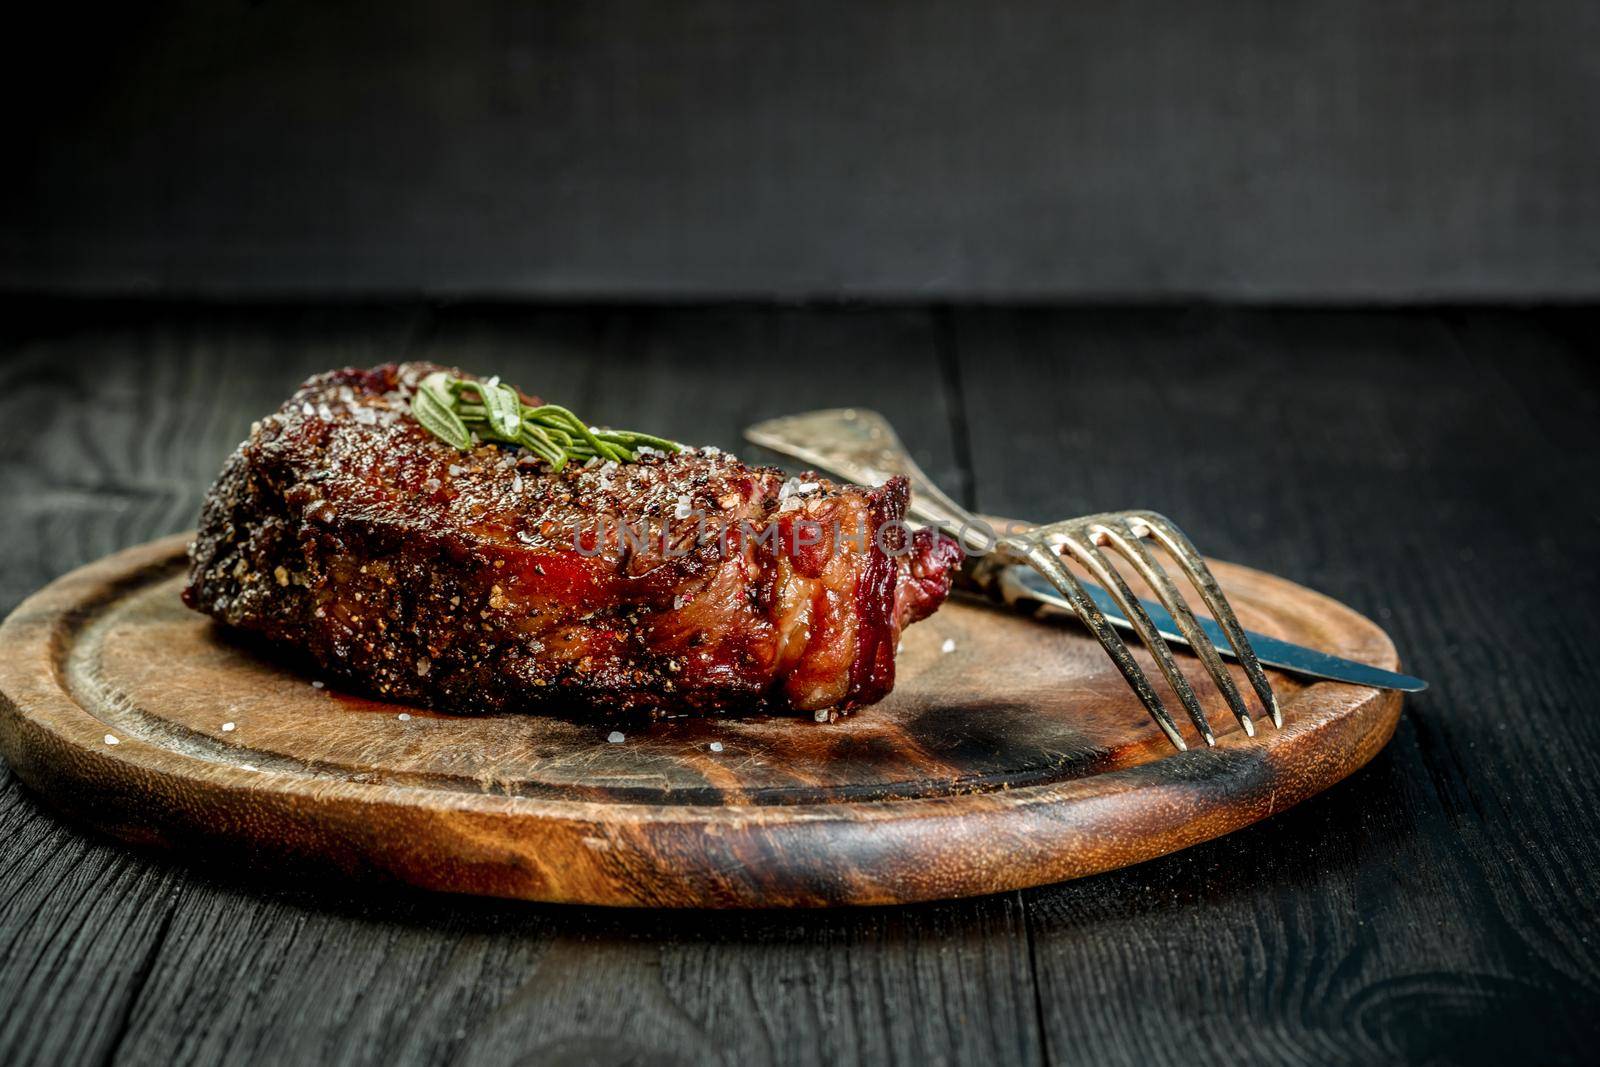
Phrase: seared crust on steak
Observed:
(480, 581)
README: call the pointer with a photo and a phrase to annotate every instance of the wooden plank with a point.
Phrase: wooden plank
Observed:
(1409, 913)
(326, 974)
(81, 921)
(846, 987)
(112, 422)
(1433, 906)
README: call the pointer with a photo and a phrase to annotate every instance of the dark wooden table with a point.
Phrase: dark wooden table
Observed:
(1437, 470)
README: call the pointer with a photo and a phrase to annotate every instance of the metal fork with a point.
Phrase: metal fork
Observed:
(860, 445)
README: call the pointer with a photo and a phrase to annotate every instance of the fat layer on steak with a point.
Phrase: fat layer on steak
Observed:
(480, 581)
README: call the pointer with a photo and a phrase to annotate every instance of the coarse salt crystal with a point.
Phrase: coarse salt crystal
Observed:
(615, 737)
(790, 504)
(807, 487)
(229, 727)
(319, 685)
(424, 665)
(948, 646)
(307, 409)
(111, 739)
(456, 470)
(516, 484)
(683, 510)
(404, 716)
(716, 746)
(820, 716)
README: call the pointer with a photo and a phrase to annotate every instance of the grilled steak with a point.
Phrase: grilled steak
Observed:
(480, 581)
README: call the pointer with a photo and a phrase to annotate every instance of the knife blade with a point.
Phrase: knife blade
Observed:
(1019, 583)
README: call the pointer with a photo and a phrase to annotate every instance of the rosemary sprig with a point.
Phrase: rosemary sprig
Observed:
(456, 409)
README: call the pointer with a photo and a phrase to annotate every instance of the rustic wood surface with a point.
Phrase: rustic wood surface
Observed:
(1435, 470)
(1011, 754)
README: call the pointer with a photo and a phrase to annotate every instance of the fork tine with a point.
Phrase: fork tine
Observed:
(1107, 575)
(1047, 563)
(1131, 547)
(1194, 566)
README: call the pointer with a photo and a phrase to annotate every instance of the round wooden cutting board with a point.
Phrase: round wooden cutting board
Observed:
(1016, 758)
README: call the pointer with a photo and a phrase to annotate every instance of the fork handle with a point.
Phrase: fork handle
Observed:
(860, 445)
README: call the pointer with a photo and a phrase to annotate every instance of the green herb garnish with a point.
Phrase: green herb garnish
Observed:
(456, 409)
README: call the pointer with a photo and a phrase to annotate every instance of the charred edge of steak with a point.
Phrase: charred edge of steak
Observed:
(407, 569)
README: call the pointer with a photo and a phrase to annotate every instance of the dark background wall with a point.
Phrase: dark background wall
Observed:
(1314, 150)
